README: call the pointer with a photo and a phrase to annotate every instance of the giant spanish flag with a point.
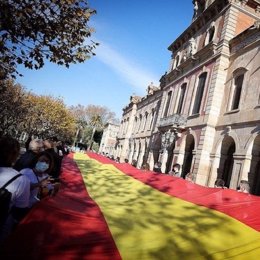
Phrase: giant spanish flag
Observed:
(106, 210)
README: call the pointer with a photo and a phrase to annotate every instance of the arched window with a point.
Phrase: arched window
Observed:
(124, 127)
(126, 124)
(140, 123)
(121, 127)
(238, 82)
(151, 119)
(145, 120)
(210, 34)
(236, 88)
(199, 93)
(135, 124)
(181, 98)
(169, 96)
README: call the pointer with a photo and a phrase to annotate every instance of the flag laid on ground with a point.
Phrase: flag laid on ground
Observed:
(148, 221)
(120, 212)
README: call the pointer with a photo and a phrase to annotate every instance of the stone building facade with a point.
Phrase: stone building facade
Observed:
(207, 105)
(109, 139)
(138, 127)
(236, 149)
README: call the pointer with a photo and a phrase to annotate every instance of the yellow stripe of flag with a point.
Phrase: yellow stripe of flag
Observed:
(148, 224)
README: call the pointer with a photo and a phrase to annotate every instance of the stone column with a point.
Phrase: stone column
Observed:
(130, 158)
(179, 158)
(118, 150)
(237, 171)
(163, 160)
(135, 148)
(202, 166)
(214, 165)
(246, 167)
(140, 159)
(150, 160)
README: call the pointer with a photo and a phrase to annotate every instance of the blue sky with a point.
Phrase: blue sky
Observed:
(134, 37)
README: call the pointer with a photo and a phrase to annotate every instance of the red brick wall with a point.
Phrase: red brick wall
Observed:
(243, 22)
(220, 27)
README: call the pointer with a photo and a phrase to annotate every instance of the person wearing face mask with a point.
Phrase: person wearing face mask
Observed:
(38, 176)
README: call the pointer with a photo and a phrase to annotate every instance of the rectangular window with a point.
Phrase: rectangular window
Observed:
(151, 119)
(145, 120)
(167, 104)
(140, 123)
(199, 93)
(136, 125)
(181, 98)
(237, 91)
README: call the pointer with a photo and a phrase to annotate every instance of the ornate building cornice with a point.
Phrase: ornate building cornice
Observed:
(135, 99)
(207, 15)
(245, 38)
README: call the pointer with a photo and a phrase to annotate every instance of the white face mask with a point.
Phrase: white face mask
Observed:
(41, 166)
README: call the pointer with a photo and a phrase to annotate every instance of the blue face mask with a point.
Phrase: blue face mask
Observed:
(41, 166)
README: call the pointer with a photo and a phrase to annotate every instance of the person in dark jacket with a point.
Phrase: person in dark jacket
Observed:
(27, 159)
(49, 148)
(27, 143)
(157, 167)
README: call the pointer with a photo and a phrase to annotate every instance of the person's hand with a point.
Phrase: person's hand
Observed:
(56, 187)
(44, 183)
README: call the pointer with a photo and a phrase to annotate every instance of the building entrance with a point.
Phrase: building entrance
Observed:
(254, 175)
(227, 160)
(188, 156)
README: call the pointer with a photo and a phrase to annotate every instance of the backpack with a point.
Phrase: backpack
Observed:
(5, 198)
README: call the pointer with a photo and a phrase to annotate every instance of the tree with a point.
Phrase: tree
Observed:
(95, 123)
(48, 116)
(12, 106)
(91, 119)
(34, 30)
(79, 113)
(99, 115)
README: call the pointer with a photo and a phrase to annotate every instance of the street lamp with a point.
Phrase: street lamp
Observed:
(168, 138)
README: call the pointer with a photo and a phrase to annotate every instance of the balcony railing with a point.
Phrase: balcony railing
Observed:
(173, 120)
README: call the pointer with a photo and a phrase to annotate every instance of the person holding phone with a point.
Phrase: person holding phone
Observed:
(39, 177)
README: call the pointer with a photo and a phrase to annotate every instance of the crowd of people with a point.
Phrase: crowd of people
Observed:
(27, 177)
(243, 185)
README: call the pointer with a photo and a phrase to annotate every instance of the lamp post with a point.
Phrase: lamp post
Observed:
(168, 138)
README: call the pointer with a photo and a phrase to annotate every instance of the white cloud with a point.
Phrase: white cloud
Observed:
(134, 73)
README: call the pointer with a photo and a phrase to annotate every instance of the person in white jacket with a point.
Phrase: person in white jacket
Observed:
(19, 188)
